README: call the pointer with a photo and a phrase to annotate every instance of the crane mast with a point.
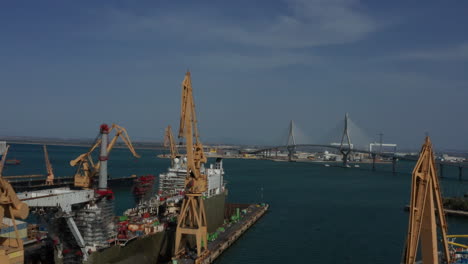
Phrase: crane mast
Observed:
(87, 168)
(426, 209)
(11, 249)
(50, 171)
(169, 142)
(192, 217)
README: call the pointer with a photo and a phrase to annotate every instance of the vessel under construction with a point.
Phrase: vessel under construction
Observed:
(187, 221)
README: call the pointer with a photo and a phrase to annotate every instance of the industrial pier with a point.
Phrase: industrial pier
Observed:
(229, 236)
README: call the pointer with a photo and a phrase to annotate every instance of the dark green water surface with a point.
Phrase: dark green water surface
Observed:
(318, 214)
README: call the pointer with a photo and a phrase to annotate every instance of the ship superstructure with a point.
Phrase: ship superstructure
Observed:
(172, 185)
(172, 182)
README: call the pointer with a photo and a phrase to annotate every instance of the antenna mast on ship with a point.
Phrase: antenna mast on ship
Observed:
(192, 218)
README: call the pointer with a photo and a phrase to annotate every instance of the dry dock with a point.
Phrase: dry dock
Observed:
(229, 236)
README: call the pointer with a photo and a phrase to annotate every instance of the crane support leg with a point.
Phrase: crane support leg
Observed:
(429, 230)
(192, 222)
(76, 234)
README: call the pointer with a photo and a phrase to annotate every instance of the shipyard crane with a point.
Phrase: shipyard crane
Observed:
(11, 249)
(192, 217)
(169, 142)
(426, 210)
(87, 168)
(50, 171)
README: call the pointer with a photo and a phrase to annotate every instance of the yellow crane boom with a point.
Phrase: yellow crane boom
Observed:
(11, 249)
(426, 209)
(50, 171)
(192, 217)
(87, 168)
(169, 142)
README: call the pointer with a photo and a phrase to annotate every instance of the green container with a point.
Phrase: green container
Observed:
(123, 218)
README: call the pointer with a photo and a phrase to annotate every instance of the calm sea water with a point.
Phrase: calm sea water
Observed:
(318, 214)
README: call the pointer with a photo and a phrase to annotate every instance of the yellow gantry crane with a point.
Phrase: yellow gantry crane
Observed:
(192, 217)
(87, 168)
(169, 142)
(50, 171)
(11, 249)
(426, 209)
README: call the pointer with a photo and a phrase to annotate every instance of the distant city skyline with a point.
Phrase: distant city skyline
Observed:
(398, 68)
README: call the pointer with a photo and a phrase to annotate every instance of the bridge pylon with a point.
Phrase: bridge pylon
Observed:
(291, 146)
(345, 146)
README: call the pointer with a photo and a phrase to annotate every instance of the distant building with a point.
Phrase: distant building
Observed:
(446, 157)
(384, 147)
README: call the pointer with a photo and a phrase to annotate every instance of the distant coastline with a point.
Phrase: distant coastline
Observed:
(76, 143)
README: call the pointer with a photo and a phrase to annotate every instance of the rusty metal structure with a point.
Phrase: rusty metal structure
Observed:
(426, 211)
(87, 168)
(50, 171)
(11, 249)
(169, 142)
(192, 219)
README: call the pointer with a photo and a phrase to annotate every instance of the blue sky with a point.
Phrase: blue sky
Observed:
(397, 67)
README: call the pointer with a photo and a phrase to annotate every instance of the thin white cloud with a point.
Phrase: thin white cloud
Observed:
(250, 62)
(305, 23)
(276, 38)
(454, 53)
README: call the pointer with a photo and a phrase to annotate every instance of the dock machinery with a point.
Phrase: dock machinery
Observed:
(426, 211)
(50, 171)
(11, 249)
(73, 205)
(192, 217)
(169, 142)
(87, 168)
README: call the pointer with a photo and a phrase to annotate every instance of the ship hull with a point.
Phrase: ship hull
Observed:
(150, 248)
(214, 208)
(142, 250)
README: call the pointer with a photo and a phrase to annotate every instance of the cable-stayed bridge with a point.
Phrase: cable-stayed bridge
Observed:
(346, 139)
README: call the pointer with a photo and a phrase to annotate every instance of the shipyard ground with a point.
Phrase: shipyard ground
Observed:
(229, 236)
